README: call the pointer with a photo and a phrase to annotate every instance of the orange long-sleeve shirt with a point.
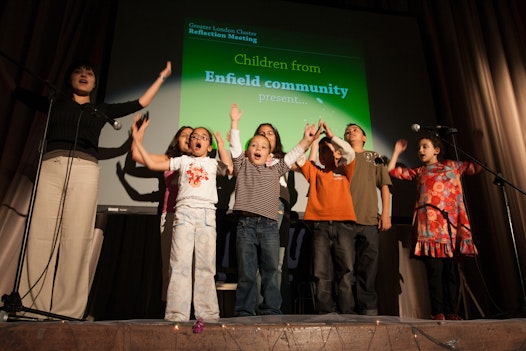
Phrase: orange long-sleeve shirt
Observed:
(329, 193)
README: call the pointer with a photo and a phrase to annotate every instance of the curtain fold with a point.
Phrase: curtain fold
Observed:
(479, 65)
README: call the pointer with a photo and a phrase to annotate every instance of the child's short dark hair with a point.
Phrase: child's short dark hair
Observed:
(354, 124)
(325, 140)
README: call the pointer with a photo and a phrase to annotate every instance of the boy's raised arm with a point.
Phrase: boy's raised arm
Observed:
(346, 150)
(310, 133)
(224, 155)
(235, 116)
(235, 141)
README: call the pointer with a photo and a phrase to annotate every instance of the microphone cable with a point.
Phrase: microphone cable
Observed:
(58, 222)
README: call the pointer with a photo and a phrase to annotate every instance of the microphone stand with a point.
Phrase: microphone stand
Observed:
(13, 301)
(501, 182)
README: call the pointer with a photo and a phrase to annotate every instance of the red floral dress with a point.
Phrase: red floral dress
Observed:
(439, 198)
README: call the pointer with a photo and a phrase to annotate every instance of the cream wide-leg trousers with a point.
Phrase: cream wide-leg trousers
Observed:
(55, 276)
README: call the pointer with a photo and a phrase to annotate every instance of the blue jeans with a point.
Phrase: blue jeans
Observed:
(366, 268)
(257, 242)
(333, 256)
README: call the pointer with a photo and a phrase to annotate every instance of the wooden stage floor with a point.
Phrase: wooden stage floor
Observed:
(284, 332)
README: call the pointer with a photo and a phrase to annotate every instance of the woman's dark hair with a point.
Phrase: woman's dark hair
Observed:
(278, 149)
(436, 142)
(173, 149)
(76, 65)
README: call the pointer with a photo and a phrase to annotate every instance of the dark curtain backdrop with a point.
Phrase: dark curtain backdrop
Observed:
(476, 58)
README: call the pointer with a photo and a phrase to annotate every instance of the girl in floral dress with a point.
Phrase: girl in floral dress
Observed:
(442, 223)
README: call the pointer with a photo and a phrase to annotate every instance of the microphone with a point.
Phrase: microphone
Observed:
(115, 124)
(417, 128)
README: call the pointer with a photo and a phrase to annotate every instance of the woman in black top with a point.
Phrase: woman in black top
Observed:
(55, 275)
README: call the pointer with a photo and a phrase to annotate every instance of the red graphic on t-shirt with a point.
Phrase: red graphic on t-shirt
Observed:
(196, 174)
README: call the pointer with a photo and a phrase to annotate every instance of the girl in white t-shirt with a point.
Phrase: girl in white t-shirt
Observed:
(194, 225)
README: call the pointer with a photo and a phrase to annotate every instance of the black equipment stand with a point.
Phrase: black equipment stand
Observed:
(501, 182)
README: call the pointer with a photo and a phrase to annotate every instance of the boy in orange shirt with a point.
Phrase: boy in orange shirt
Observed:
(330, 213)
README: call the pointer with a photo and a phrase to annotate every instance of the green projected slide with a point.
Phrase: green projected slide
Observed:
(279, 77)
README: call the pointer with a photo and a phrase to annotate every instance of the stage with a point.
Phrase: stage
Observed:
(125, 313)
(284, 332)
